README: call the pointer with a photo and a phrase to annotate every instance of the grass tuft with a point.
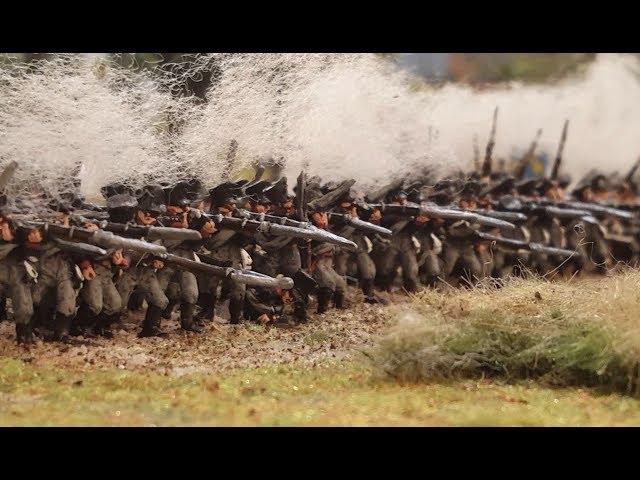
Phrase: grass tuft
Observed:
(567, 334)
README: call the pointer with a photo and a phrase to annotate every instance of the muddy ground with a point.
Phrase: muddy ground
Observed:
(333, 335)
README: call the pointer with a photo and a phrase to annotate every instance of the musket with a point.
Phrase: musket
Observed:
(359, 224)
(435, 211)
(542, 208)
(529, 154)
(558, 160)
(80, 248)
(476, 154)
(598, 210)
(91, 215)
(247, 277)
(149, 232)
(263, 217)
(255, 226)
(486, 166)
(98, 237)
(531, 246)
(300, 196)
(512, 217)
(632, 172)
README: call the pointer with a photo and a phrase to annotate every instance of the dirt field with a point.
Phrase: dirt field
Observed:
(335, 335)
(306, 375)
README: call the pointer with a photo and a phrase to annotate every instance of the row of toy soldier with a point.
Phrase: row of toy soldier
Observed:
(73, 268)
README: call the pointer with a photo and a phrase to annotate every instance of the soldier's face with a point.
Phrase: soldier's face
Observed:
(63, 218)
(145, 218)
(117, 258)
(88, 272)
(555, 193)
(467, 204)
(587, 195)
(204, 205)
(34, 236)
(375, 216)
(320, 219)
(208, 229)
(225, 209)
(7, 234)
(288, 205)
(261, 208)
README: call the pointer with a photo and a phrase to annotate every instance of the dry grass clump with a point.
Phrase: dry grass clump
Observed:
(583, 332)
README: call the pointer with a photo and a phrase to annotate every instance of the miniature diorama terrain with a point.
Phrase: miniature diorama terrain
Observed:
(531, 353)
(293, 239)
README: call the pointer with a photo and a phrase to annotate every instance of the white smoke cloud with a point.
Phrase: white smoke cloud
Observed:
(341, 115)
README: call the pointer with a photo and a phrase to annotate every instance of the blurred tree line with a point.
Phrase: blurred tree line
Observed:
(472, 68)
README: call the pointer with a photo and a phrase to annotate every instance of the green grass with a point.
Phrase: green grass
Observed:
(330, 394)
(583, 333)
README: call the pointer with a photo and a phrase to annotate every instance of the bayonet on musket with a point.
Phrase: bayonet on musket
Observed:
(486, 166)
(558, 160)
(633, 171)
(476, 154)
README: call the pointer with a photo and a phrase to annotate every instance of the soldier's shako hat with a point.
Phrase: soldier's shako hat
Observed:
(328, 200)
(415, 195)
(440, 197)
(152, 199)
(497, 176)
(564, 180)
(59, 205)
(121, 207)
(195, 189)
(225, 193)
(179, 195)
(115, 189)
(527, 186)
(278, 191)
(397, 193)
(584, 183)
(122, 200)
(499, 187)
(312, 192)
(256, 188)
(329, 186)
(470, 189)
(599, 183)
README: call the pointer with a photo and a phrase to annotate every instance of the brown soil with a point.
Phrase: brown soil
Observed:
(334, 335)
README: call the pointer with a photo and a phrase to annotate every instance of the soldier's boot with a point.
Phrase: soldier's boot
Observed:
(83, 323)
(166, 314)
(136, 301)
(324, 297)
(300, 312)
(3, 308)
(338, 299)
(103, 325)
(410, 285)
(386, 282)
(207, 311)
(151, 323)
(62, 327)
(236, 308)
(24, 334)
(367, 290)
(186, 318)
